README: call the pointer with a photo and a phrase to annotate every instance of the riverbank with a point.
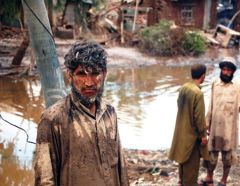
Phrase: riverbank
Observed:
(118, 57)
(153, 168)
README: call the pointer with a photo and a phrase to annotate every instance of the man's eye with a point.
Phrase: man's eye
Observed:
(95, 73)
(81, 73)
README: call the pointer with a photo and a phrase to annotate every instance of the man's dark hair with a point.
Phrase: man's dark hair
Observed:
(228, 62)
(197, 70)
(86, 54)
(228, 65)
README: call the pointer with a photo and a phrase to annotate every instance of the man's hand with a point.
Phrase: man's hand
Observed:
(204, 140)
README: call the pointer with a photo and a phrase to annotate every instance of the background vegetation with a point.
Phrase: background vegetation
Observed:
(162, 39)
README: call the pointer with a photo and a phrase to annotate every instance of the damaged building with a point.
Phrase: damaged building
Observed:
(202, 14)
(125, 17)
(190, 13)
(221, 15)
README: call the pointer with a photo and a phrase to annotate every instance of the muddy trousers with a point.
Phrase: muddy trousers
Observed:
(188, 171)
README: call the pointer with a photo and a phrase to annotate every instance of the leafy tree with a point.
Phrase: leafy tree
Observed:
(81, 8)
(10, 11)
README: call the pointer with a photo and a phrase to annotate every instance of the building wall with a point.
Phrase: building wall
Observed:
(171, 10)
(213, 19)
(197, 12)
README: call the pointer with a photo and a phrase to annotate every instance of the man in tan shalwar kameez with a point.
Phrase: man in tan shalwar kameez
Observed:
(189, 140)
(222, 120)
(78, 139)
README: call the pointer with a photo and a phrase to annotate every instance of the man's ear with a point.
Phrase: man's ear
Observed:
(69, 75)
(203, 77)
(104, 74)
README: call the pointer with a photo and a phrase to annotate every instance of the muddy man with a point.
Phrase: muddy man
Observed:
(222, 120)
(78, 139)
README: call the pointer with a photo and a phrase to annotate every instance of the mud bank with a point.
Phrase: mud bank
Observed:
(153, 168)
(118, 57)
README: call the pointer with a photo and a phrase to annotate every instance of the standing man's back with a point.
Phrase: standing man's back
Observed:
(189, 102)
(189, 140)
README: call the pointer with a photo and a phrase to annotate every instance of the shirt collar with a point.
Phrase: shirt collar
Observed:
(199, 86)
(100, 107)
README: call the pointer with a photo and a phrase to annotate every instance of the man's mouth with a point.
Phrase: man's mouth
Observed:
(89, 92)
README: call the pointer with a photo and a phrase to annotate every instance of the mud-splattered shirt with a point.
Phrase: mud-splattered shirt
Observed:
(76, 149)
(223, 116)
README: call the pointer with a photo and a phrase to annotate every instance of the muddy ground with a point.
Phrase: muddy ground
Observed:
(154, 168)
(144, 167)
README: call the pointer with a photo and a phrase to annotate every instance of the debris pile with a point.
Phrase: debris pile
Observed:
(9, 32)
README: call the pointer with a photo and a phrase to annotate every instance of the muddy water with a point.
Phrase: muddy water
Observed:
(145, 100)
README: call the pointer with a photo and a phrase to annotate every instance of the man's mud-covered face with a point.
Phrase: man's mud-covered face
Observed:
(88, 82)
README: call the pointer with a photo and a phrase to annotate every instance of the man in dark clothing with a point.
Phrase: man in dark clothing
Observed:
(189, 140)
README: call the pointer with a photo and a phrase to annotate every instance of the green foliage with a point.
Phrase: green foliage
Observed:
(99, 3)
(59, 5)
(10, 10)
(95, 3)
(194, 43)
(164, 24)
(160, 39)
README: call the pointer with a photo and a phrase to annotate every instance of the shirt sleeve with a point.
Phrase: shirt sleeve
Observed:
(238, 90)
(122, 169)
(210, 108)
(199, 115)
(44, 174)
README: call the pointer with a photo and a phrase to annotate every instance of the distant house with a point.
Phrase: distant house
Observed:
(201, 14)
(190, 13)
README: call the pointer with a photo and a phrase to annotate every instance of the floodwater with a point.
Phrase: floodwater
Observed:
(145, 100)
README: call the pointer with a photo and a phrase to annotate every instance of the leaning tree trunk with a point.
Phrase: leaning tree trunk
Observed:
(50, 12)
(17, 60)
(21, 51)
(44, 50)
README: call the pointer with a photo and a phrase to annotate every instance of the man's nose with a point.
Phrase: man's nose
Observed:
(89, 80)
(225, 71)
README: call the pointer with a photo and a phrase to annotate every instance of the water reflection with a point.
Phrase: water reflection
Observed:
(20, 103)
(21, 97)
(145, 100)
(11, 170)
